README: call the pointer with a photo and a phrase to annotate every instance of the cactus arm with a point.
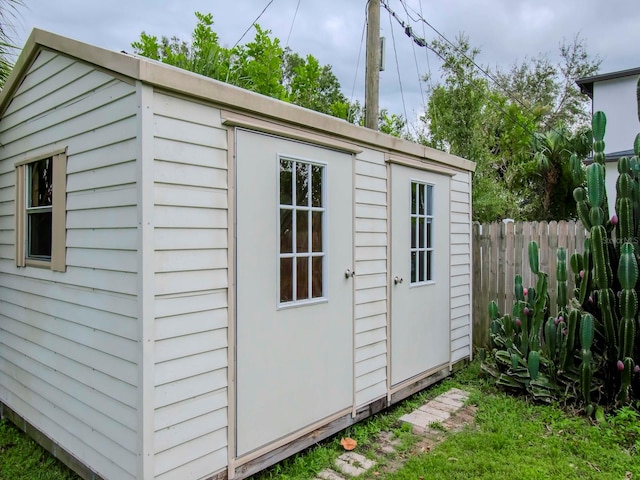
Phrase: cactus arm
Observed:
(561, 279)
(534, 262)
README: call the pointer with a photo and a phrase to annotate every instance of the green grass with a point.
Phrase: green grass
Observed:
(23, 459)
(512, 438)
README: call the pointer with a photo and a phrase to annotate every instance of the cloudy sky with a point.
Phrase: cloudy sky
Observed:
(506, 31)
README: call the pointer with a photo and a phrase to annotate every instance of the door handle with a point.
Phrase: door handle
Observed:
(348, 273)
(397, 280)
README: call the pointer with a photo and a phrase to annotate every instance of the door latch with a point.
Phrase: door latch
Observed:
(397, 280)
(349, 274)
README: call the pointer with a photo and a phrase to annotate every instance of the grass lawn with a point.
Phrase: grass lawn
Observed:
(22, 459)
(512, 438)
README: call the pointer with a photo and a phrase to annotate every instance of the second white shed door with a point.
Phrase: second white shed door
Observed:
(294, 317)
(420, 327)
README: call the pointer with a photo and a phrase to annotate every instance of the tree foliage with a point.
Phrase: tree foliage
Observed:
(550, 172)
(461, 118)
(519, 126)
(549, 90)
(261, 65)
(8, 13)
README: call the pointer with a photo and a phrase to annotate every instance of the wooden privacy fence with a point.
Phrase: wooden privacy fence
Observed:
(500, 253)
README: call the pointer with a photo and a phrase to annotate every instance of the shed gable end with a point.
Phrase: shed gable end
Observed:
(68, 349)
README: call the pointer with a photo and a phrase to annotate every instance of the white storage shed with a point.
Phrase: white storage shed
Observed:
(197, 281)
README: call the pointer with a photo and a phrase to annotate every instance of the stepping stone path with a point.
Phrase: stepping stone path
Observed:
(439, 410)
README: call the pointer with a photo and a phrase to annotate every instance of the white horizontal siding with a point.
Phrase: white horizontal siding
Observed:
(191, 278)
(371, 250)
(69, 433)
(68, 341)
(460, 266)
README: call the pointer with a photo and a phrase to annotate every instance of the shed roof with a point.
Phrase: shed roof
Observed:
(586, 83)
(197, 86)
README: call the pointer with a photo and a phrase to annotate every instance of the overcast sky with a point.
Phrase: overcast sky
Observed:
(506, 31)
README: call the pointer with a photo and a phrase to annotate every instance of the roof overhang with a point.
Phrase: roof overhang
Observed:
(586, 83)
(189, 84)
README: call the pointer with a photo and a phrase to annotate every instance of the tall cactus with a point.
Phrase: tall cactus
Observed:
(561, 277)
(592, 346)
(586, 371)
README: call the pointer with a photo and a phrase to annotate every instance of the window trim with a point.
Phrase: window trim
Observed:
(432, 217)
(58, 212)
(313, 300)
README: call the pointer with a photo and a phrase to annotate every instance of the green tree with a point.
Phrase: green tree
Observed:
(258, 65)
(261, 65)
(549, 174)
(8, 14)
(549, 90)
(461, 118)
(393, 124)
(520, 173)
(203, 55)
(313, 86)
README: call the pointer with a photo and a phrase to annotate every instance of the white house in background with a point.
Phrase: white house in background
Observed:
(197, 281)
(615, 94)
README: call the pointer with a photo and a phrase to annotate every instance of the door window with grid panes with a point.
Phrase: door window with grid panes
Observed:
(421, 232)
(302, 245)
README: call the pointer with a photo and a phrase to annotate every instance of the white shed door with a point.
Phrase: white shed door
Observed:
(420, 326)
(294, 317)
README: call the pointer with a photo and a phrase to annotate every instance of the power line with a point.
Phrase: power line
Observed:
(292, 22)
(395, 52)
(355, 77)
(252, 24)
(415, 59)
(509, 93)
(426, 54)
(421, 42)
(420, 18)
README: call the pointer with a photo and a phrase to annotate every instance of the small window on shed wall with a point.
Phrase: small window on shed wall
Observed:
(302, 244)
(422, 238)
(41, 212)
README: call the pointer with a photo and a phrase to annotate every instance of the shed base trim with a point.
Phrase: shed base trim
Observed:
(271, 458)
(257, 464)
(48, 443)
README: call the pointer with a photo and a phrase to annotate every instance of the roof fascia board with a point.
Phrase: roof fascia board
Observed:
(190, 84)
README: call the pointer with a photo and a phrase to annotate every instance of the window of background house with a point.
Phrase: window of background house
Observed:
(40, 212)
(421, 232)
(302, 247)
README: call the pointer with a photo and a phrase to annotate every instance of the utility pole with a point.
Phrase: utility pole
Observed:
(372, 71)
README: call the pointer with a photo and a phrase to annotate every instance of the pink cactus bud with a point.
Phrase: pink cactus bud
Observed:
(636, 369)
(564, 331)
(525, 291)
(518, 322)
(620, 365)
(560, 318)
(590, 299)
(614, 219)
(581, 273)
(556, 321)
(526, 311)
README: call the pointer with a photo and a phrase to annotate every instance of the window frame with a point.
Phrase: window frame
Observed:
(323, 253)
(428, 219)
(57, 262)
